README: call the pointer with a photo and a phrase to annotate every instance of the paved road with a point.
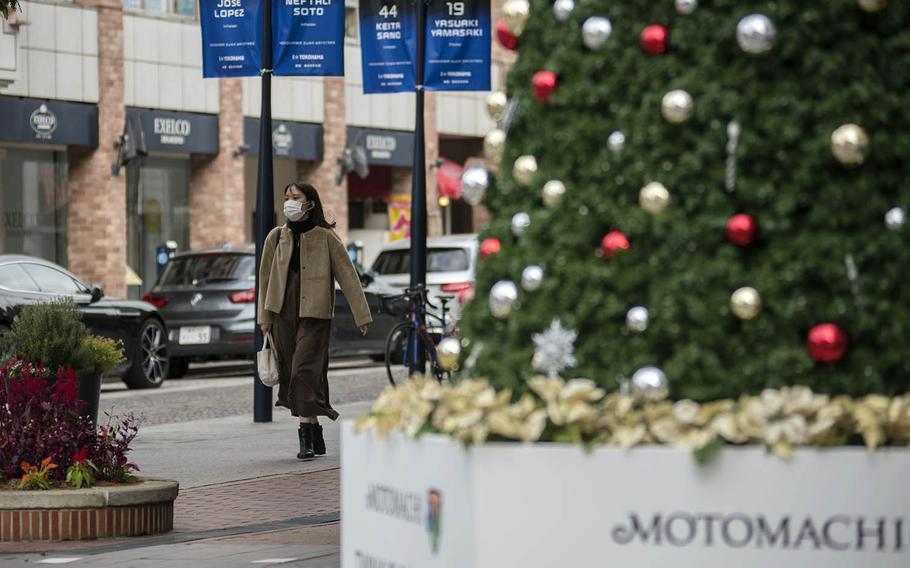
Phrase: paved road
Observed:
(218, 390)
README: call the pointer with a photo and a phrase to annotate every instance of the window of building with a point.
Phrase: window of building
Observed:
(177, 7)
(158, 210)
(33, 204)
(351, 26)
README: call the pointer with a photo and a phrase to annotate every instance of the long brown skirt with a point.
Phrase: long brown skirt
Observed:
(302, 346)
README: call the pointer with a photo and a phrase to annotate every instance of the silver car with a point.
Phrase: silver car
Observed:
(451, 269)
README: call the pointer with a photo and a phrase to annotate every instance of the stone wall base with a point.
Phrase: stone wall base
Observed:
(83, 524)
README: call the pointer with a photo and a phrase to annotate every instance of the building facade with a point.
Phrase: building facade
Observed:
(73, 73)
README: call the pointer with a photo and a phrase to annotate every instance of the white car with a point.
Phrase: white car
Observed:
(451, 266)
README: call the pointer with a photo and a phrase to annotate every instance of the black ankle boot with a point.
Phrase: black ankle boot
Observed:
(305, 435)
(318, 440)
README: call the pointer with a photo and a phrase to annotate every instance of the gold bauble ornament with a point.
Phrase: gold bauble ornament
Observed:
(745, 303)
(525, 169)
(654, 197)
(850, 144)
(515, 14)
(448, 352)
(493, 144)
(496, 104)
(872, 5)
(553, 192)
(677, 106)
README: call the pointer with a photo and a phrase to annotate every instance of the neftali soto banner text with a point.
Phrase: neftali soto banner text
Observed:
(231, 37)
(308, 37)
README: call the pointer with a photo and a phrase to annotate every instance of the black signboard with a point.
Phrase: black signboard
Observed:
(384, 147)
(168, 131)
(48, 122)
(290, 140)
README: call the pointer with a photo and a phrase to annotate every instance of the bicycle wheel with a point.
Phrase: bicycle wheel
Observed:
(394, 346)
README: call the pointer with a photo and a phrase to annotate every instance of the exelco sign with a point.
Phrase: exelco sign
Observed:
(169, 131)
(173, 131)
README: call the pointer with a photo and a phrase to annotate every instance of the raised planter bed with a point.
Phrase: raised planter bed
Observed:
(431, 502)
(143, 508)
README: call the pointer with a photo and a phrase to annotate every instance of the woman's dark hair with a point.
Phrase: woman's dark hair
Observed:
(317, 215)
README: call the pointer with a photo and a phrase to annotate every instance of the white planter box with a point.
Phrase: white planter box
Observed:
(554, 506)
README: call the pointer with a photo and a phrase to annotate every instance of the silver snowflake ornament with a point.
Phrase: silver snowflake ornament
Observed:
(554, 349)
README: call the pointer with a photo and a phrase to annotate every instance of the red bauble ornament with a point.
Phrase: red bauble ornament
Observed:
(827, 343)
(505, 37)
(655, 39)
(613, 242)
(544, 84)
(741, 230)
(489, 246)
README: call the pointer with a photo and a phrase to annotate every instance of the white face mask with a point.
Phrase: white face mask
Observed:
(295, 210)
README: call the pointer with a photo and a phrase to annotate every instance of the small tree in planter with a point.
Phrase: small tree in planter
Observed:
(54, 334)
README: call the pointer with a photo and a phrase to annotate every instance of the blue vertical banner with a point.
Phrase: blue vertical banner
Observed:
(231, 34)
(388, 45)
(458, 46)
(308, 37)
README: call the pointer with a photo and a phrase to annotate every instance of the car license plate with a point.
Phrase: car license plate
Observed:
(195, 335)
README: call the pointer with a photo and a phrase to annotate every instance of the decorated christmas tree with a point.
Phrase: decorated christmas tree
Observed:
(708, 196)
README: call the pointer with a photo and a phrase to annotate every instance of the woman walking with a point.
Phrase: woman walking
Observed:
(301, 260)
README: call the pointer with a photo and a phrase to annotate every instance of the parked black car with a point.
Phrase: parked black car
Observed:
(28, 280)
(208, 299)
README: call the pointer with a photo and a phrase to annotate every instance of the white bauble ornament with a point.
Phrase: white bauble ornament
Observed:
(503, 296)
(677, 106)
(685, 7)
(756, 34)
(596, 31)
(496, 102)
(474, 184)
(637, 318)
(520, 222)
(616, 141)
(448, 352)
(895, 218)
(531, 277)
(654, 197)
(562, 9)
(493, 144)
(651, 383)
(553, 192)
(525, 169)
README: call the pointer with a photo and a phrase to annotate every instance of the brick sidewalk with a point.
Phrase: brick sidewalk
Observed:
(256, 501)
(237, 504)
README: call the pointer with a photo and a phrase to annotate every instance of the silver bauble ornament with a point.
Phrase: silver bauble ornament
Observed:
(685, 7)
(520, 222)
(637, 318)
(651, 383)
(677, 106)
(872, 5)
(654, 197)
(503, 296)
(524, 169)
(745, 303)
(531, 277)
(493, 144)
(616, 141)
(850, 144)
(895, 218)
(448, 352)
(756, 33)
(496, 103)
(474, 184)
(596, 31)
(553, 192)
(515, 14)
(562, 9)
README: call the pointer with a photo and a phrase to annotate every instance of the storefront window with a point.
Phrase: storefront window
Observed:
(33, 203)
(178, 7)
(158, 210)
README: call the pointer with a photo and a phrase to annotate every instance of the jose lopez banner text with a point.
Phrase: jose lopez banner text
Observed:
(231, 31)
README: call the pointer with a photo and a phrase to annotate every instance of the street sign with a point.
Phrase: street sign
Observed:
(231, 30)
(308, 38)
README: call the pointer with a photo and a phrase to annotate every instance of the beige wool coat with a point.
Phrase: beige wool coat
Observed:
(323, 260)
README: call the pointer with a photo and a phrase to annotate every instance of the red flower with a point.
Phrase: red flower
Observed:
(81, 455)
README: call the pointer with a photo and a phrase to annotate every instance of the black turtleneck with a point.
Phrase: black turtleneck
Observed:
(298, 228)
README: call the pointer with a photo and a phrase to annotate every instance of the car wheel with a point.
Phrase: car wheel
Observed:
(177, 367)
(150, 362)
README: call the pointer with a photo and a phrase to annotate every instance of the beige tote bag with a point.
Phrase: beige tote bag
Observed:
(267, 362)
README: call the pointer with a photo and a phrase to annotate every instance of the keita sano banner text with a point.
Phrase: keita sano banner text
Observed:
(388, 45)
(458, 46)
(308, 37)
(231, 32)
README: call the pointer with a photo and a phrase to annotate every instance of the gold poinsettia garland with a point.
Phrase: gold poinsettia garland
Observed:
(577, 411)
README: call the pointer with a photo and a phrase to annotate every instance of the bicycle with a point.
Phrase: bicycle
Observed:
(401, 337)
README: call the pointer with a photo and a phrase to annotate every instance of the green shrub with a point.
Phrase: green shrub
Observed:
(106, 353)
(51, 333)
